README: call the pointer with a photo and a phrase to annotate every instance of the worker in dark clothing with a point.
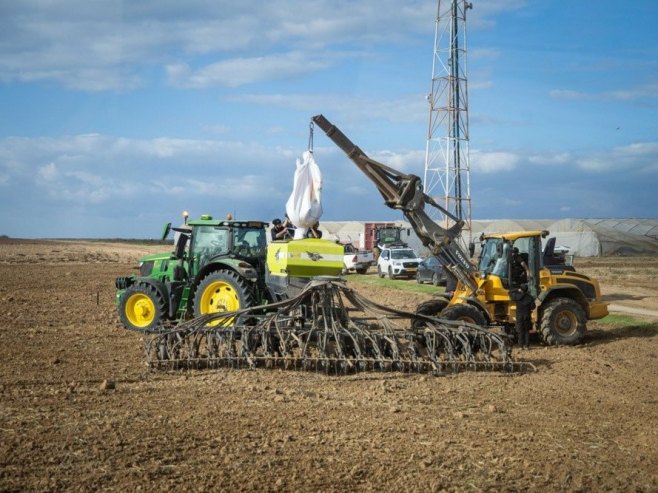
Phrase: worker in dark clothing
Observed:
(521, 273)
(279, 230)
(524, 304)
(314, 231)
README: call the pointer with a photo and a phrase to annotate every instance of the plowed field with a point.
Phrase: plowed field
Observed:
(80, 411)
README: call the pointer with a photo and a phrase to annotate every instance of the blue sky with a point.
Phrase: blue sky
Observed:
(118, 115)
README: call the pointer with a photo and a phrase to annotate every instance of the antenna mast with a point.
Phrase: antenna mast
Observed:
(447, 166)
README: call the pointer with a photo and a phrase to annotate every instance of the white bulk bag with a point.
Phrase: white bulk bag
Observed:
(303, 207)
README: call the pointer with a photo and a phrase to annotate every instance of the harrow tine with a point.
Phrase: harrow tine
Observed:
(318, 330)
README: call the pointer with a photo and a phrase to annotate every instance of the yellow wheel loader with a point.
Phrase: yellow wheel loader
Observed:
(565, 299)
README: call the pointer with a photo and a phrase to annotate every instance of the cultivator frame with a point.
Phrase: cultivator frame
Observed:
(329, 328)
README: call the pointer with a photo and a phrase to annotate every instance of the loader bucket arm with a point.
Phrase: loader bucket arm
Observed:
(405, 192)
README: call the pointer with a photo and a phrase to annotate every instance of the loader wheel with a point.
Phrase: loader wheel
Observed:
(432, 308)
(465, 313)
(222, 291)
(141, 307)
(563, 322)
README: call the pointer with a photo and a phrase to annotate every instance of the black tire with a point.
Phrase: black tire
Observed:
(466, 313)
(563, 322)
(390, 273)
(418, 280)
(222, 291)
(435, 279)
(379, 272)
(362, 271)
(431, 308)
(141, 307)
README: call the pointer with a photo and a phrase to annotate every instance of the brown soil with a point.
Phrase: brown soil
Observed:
(81, 412)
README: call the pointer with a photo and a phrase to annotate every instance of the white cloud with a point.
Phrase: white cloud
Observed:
(493, 162)
(240, 71)
(647, 91)
(641, 157)
(345, 108)
(48, 172)
(103, 46)
(407, 162)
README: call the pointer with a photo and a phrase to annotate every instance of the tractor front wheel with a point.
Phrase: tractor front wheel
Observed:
(141, 307)
(563, 322)
(222, 291)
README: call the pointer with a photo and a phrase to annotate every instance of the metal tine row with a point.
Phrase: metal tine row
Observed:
(319, 330)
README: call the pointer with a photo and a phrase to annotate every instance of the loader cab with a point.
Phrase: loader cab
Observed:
(496, 258)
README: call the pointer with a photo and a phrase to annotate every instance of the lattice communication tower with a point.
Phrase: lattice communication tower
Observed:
(447, 166)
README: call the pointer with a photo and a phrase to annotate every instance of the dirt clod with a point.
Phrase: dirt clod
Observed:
(585, 421)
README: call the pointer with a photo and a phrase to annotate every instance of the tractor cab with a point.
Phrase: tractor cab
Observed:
(202, 242)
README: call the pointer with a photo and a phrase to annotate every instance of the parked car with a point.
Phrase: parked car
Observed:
(397, 262)
(431, 270)
(355, 260)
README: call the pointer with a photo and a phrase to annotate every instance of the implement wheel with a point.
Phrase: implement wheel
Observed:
(222, 291)
(141, 307)
(563, 322)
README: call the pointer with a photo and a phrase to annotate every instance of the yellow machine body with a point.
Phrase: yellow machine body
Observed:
(305, 258)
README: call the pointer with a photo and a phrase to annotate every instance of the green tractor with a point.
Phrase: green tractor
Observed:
(219, 266)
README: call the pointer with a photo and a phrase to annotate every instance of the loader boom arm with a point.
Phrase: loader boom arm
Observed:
(405, 192)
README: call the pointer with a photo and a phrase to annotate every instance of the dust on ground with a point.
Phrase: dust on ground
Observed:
(80, 410)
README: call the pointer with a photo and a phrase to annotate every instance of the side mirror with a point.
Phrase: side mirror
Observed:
(165, 231)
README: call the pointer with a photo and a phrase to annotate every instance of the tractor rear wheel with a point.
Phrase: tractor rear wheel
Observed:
(141, 307)
(465, 313)
(222, 291)
(563, 322)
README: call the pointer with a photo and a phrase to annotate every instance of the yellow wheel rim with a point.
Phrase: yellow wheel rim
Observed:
(140, 310)
(219, 296)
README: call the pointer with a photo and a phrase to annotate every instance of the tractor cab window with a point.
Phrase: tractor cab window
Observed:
(209, 241)
(250, 242)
